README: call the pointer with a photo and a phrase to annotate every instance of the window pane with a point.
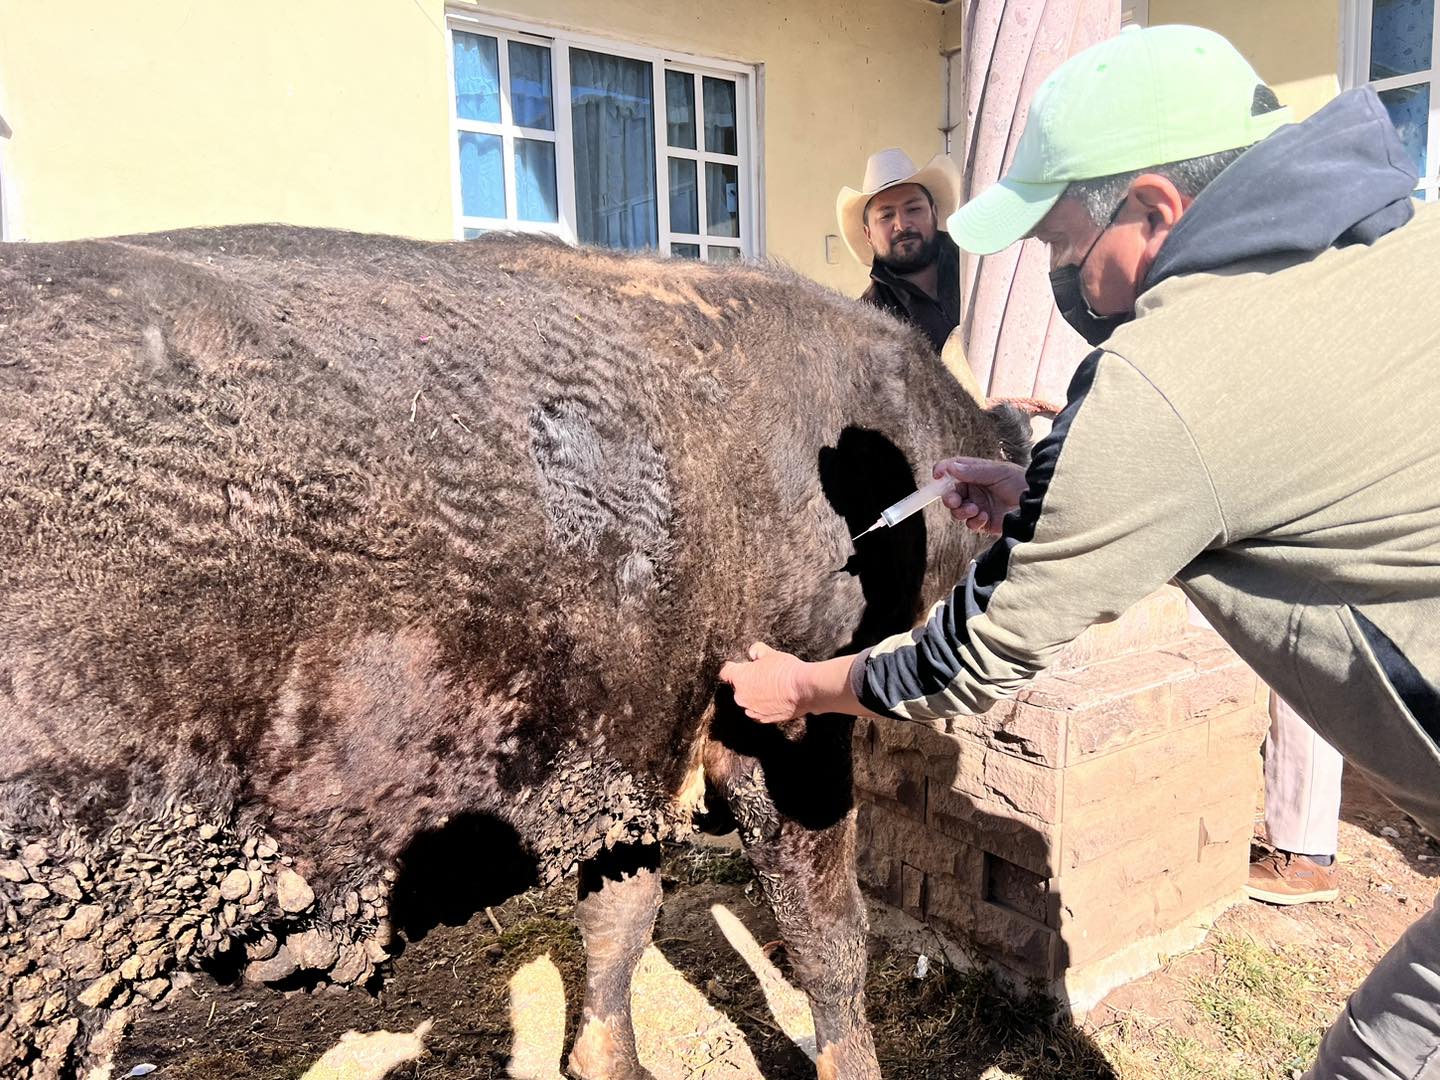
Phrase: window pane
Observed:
(724, 254)
(722, 199)
(612, 106)
(530, 100)
(1400, 35)
(684, 198)
(474, 234)
(535, 198)
(477, 77)
(680, 109)
(1409, 109)
(482, 177)
(685, 251)
(720, 136)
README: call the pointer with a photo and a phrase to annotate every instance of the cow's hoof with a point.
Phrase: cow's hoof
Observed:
(600, 1055)
(632, 1072)
(615, 1070)
(851, 1058)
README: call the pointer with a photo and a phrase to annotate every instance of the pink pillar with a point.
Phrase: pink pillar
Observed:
(1015, 340)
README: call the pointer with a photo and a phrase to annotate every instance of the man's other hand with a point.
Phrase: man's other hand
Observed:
(768, 688)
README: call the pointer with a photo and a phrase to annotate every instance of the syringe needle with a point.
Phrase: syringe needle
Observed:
(868, 531)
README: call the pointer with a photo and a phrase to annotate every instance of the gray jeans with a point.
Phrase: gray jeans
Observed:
(1390, 1027)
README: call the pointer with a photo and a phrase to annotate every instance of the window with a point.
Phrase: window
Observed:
(1135, 12)
(1391, 45)
(600, 143)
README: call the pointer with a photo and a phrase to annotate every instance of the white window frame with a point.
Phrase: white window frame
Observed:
(559, 41)
(509, 131)
(1355, 71)
(1135, 13)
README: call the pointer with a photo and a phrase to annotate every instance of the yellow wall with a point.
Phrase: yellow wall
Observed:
(1293, 44)
(136, 115)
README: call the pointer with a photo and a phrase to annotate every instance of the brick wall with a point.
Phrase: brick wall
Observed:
(1107, 807)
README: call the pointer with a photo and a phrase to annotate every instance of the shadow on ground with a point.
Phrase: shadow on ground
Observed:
(712, 1000)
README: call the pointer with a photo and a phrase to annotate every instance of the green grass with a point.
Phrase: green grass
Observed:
(1261, 1011)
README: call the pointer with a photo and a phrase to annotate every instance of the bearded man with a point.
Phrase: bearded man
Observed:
(892, 225)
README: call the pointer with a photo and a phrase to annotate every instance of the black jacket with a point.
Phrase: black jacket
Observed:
(890, 292)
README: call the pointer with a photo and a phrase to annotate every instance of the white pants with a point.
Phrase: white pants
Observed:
(1302, 784)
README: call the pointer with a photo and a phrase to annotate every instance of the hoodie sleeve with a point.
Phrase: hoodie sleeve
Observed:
(1118, 502)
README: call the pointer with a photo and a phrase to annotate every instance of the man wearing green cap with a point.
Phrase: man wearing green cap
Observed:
(1257, 423)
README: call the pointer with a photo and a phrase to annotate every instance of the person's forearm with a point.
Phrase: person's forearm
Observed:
(828, 686)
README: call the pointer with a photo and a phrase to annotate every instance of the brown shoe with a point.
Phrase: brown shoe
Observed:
(1283, 878)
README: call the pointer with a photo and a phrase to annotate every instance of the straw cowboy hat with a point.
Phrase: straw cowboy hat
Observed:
(887, 169)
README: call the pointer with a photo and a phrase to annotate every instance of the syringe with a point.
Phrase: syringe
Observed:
(910, 504)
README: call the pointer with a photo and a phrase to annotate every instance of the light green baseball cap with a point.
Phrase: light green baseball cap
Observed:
(1145, 97)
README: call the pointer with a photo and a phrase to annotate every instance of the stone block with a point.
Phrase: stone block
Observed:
(1018, 889)
(1104, 827)
(912, 890)
(897, 777)
(1205, 649)
(1239, 734)
(1091, 930)
(1118, 702)
(1031, 789)
(950, 905)
(879, 875)
(1020, 943)
(1212, 693)
(912, 842)
(1157, 760)
(992, 826)
(966, 773)
(1030, 727)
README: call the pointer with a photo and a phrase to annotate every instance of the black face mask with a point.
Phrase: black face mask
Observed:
(1070, 296)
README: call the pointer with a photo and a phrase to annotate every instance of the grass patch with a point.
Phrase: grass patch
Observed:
(1262, 1012)
(697, 864)
(1266, 1003)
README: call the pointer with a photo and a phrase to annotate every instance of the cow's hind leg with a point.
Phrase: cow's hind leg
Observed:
(791, 797)
(619, 898)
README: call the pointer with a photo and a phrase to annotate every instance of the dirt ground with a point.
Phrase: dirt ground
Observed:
(713, 1000)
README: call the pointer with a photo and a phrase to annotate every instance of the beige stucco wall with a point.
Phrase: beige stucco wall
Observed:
(135, 115)
(1293, 44)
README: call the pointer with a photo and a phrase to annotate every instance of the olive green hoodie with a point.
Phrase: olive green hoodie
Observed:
(1267, 433)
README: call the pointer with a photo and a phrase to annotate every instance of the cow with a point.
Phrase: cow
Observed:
(347, 581)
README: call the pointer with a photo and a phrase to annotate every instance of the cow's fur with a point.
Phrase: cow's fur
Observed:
(338, 573)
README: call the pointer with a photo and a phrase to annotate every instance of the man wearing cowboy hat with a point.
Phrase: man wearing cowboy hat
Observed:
(893, 226)
(1256, 422)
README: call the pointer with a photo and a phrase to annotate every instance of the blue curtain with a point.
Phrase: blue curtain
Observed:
(477, 78)
(612, 105)
(482, 177)
(1400, 36)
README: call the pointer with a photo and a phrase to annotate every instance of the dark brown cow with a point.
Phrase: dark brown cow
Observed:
(349, 582)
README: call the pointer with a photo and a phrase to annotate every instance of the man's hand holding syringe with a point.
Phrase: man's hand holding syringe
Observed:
(978, 493)
(774, 687)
